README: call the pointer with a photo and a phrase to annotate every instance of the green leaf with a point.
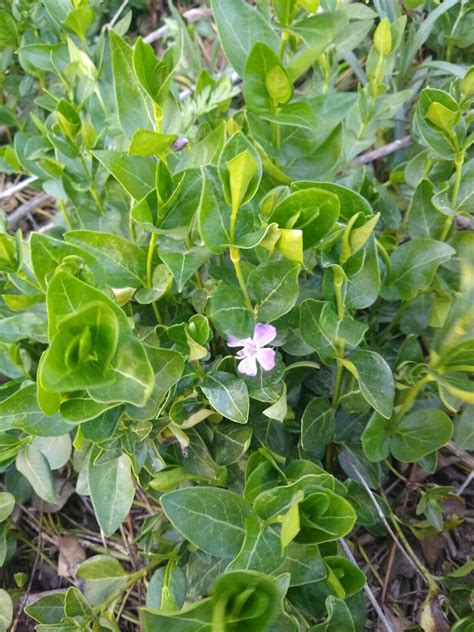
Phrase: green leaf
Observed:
(173, 587)
(435, 107)
(464, 430)
(324, 516)
(75, 604)
(112, 491)
(211, 518)
(424, 218)
(48, 609)
(383, 37)
(131, 104)
(81, 351)
(344, 577)
(146, 143)
(312, 331)
(48, 253)
(304, 563)
(182, 262)
(103, 577)
(135, 173)
(21, 411)
(420, 433)
(375, 380)
(228, 311)
(8, 31)
(6, 610)
(228, 395)
(257, 612)
(274, 287)
(230, 442)
(35, 468)
(168, 366)
(7, 503)
(290, 525)
(57, 450)
(266, 82)
(414, 265)
(239, 26)
(123, 262)
(339, 617)
(261, 549)
(79, 20)
(317, 425)
(314, 211)
(240, 170)
(376, 438)
(196, 617)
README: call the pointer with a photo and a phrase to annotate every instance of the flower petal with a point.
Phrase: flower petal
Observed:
(263, 334)
(266, 358)
(248, 366)
(232, 341)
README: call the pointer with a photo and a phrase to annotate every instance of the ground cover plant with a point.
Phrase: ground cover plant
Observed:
(236, 335)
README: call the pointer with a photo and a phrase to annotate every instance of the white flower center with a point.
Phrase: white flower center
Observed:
(251, 349)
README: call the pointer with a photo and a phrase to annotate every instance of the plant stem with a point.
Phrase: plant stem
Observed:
(412, 395)
(393, 323)
(235, 258)
(337, 381)
(432, 585)
(454, 196)
(234, 253)
(149, 261)
(133, 579)
(149, 274)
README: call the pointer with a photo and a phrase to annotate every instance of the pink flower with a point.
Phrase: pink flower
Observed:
(254, 350)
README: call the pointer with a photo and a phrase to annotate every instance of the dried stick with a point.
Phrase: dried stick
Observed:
(370, 595)
(413, 560)
(16, 188)
(193, 15)
(110, 24)
(25, 209)
(381, 152)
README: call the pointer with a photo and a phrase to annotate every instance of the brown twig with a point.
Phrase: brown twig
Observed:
(25, 596)
(193, 15)
(25, 209)
(381, 152)
(368, 591)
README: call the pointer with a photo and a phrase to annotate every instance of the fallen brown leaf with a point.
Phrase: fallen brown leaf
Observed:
(71, 554)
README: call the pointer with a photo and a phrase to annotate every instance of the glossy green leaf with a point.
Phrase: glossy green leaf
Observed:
(213, 519)
(414, 265)
(420, 433)
(35, 468)
(131, 104)
(103, 577)
(112, 491)
(239, 26)
(375, 380)
(228, 395)
(274, 288)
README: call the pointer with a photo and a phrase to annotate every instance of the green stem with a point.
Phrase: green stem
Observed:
(391, 326)
(412, 395)
(133, 579)
(449, 51)
(337, 381)
(235, 258)
(149, 261)
(149, 274)
(433, 587)
(454, 197)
